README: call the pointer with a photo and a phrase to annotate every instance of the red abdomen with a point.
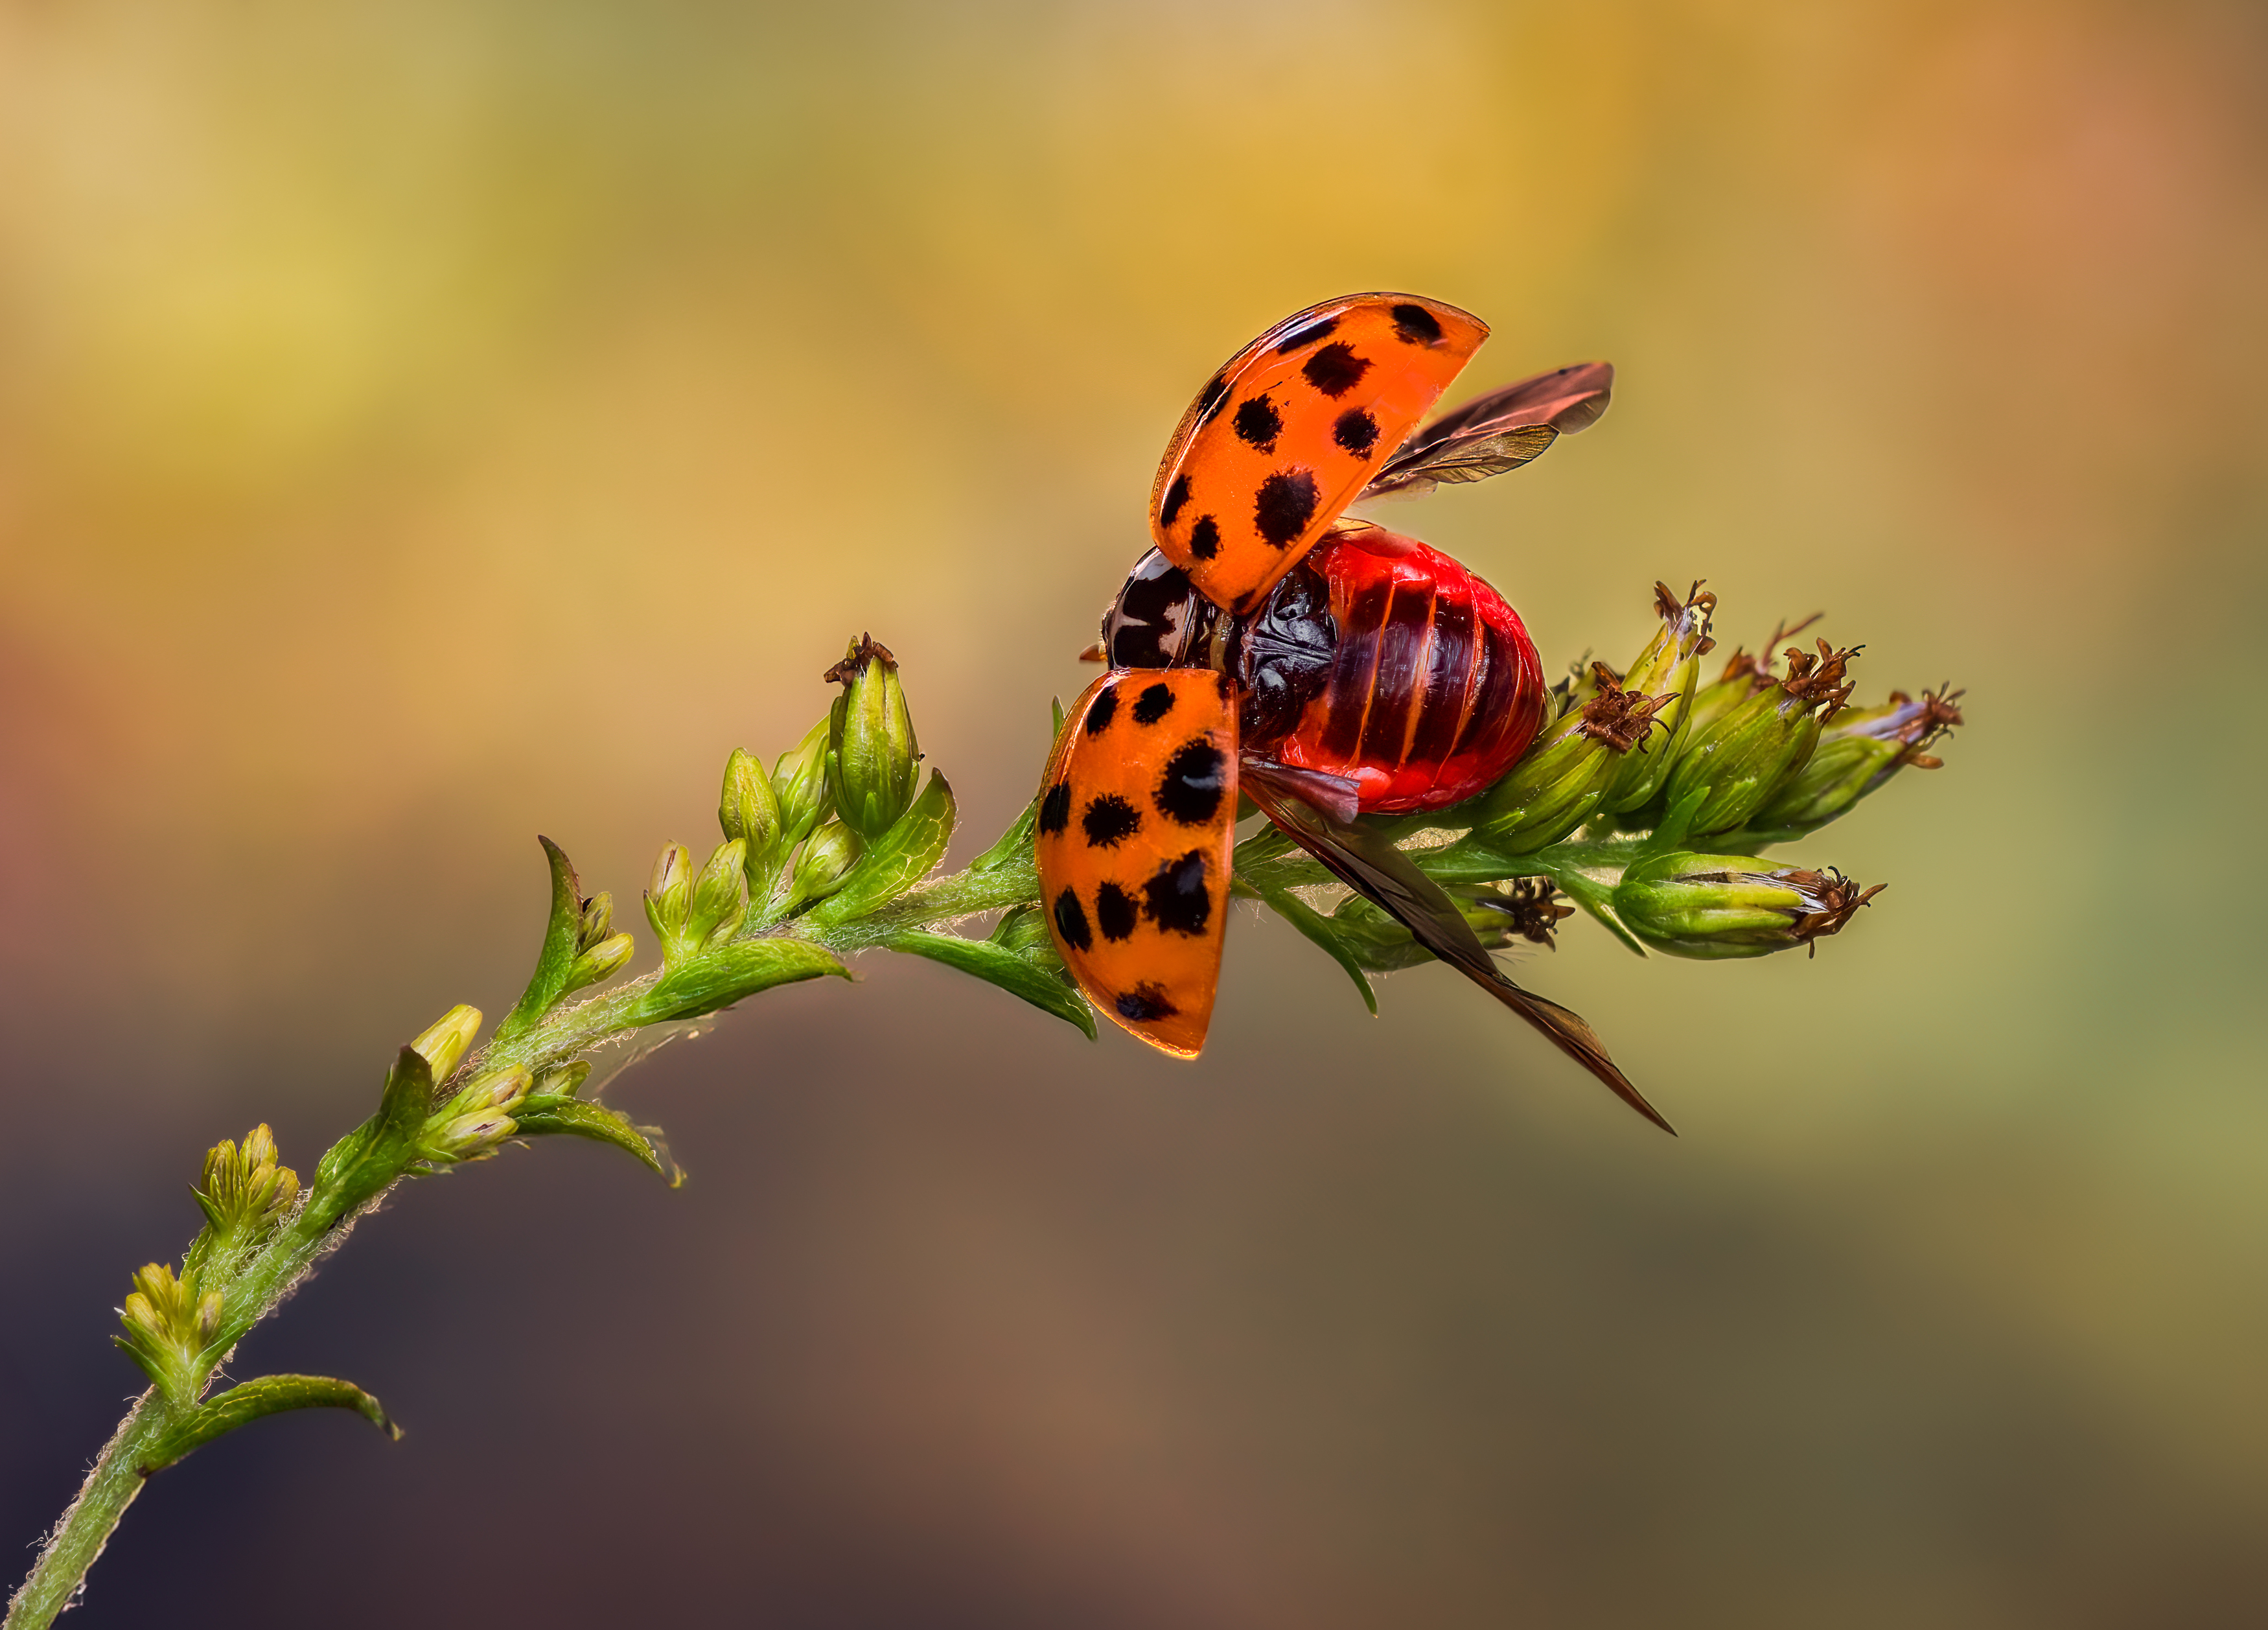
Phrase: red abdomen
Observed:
(1434, 687)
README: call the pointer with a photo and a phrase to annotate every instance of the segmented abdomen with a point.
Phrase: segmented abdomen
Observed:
(1434, 688)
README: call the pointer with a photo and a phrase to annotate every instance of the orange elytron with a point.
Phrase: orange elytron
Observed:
(1135, 829)
(1281, 439)
(1322, 667)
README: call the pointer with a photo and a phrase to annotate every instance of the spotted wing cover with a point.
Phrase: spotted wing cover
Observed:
(1137, 815)
(1285, 436)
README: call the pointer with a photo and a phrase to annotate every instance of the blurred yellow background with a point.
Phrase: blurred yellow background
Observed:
(423, 424)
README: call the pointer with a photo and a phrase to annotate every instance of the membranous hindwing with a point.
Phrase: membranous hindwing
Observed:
(1136, 816)
(1283, 437)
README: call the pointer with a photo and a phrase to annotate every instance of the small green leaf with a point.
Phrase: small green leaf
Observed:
(1015, 845)
(717, 978)
(560, 938)
(357, 1167)
(1024, 976)
(895, 861)
(269, 1395)
(1319, 929)
(576, 1117)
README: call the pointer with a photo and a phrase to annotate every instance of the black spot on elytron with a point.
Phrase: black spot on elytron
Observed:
(1109, 821)
(1204, 538)
(1190, 790)
(1416, 326)
(1105, 710)
(1116, 912)
(1285, 506)
(1144, 1002)
(1071, 922)
(1336, 370)
(1258, 424)
(1176, 495)
(1175, 898)
(1319, 329)
(1153, 704)
(1210, 397)
(1054, 809)
(1357, 431)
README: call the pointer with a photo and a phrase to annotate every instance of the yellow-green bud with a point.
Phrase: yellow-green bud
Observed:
(598, 917)
(719, 907)
(800, 784)
(669, 898)
(169, 1326)
(1561, 778)
(1669, 669)
(1023, 929)
(1859, 750)
(1748, 753)
(444, 1043)
(1709, 905)
(749, 810)
(825, 862)
(873, 760)
(246, 1190)
(601, 961)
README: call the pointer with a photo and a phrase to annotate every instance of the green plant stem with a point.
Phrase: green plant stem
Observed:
(256, 1284)
(86, 1528)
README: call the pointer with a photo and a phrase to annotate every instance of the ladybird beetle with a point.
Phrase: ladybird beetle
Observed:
(1322, 666)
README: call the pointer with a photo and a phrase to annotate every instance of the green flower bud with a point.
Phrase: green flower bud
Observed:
(1525, 908)
(169, 1326)
(1668, 671)
(826, 862)
(1747, 753)
(749, 810)
(670, 899)
(1022, 930)
(1858, 751)
(598, 917)
(1561, 779)
(246, 1192)
(799, 784)
(1711, 905)
(601, 961)
(444, 1044)
(471, 1125)
(873, 760)
(719, 906)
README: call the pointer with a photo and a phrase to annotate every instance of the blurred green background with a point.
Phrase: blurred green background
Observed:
(425, 424)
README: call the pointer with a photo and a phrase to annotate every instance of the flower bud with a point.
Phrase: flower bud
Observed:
(719, 906)
(1709, 905)
(246, 1191)
(601, 961)
(669, 898)
(1749, 751)
(598, 917)
(1859, 750)
(444, 1044)
(1559, 781)
(825, 862)
(800, 784)
(471, 1125)
(1023, 929)
(1669, 670)
(873, 758)
(472, 1137)
(169, 1326)
(749, 810)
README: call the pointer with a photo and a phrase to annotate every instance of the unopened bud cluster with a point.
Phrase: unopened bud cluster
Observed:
(246, 1191)
(170, 1327)
(1761, 754)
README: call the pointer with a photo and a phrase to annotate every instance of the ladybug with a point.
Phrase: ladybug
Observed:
(1323, 667)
